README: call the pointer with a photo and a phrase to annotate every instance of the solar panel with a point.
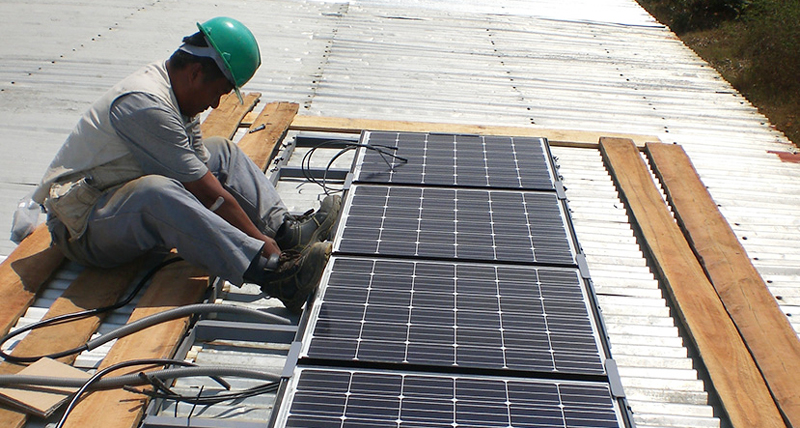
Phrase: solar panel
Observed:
(454, 315)
(465, 224)
(323, 398)
(456, 160)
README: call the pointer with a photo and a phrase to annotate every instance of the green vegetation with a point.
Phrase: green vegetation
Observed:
(754, 44)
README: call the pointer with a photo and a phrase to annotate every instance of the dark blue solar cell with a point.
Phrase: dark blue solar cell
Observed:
(480, 225)
(458, 160)
(440, 400)
(464, 314)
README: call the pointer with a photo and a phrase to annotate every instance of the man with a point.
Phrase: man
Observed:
(135, 175)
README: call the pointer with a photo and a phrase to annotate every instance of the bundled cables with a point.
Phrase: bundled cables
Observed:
(387, 153)
(158, 379)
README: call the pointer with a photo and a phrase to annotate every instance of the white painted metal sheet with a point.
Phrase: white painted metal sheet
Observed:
(580, 64)
(645, 341)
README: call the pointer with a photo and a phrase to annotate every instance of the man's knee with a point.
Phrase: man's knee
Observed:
(153, 184)
(223, 156)
(217, 146)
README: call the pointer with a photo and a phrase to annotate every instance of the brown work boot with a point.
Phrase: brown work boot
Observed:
(297, 232)
(297, 275)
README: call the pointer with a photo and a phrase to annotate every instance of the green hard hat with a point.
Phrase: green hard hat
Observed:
(237, 47)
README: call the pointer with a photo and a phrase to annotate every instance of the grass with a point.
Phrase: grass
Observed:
(754, 44)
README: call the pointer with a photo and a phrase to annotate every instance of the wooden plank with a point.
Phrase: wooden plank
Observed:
(83, 293)
(21, 274)
(176, 285)
(763, 326)
(260, 144)
(224, 120)
(733, 373)
(556, 137)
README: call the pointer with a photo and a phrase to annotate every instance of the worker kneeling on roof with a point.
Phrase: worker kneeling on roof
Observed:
(136, 175)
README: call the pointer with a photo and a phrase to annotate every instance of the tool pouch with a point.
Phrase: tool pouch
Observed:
(72, 203)
(72, 199)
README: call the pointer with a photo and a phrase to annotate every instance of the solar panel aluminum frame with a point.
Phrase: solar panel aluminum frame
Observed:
(429, 250)
(387, 398)
(517, 316)
(400, 172)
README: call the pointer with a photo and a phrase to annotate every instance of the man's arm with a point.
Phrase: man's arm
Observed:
(157, 138)
(208, 190)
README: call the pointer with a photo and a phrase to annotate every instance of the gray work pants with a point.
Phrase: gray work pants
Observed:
(156, 213)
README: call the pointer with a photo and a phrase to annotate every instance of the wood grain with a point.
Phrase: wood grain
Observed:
(736, 379)
(93, 288)
(259, 145)
(176, 285)
(224, 120)
(556, 137)
(765, 329)
(21, 274)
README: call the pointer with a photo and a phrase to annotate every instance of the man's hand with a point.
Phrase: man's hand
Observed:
(270, 247)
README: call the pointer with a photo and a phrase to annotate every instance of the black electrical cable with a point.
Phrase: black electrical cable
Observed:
(97, 376)
(180, 312)
(385, 152)
(76, 316)
(305, 165)
(119, 381)
(168, 394)
(154, 378)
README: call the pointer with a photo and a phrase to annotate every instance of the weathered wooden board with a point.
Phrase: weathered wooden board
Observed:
(176, 285)
(736, 379)
(760, 321)
(23, 272)
(224, 120)
(259, 143)
(93, 288)
(556, 137)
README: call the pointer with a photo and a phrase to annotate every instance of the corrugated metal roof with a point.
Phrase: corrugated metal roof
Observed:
(601, 65)
(660, 380)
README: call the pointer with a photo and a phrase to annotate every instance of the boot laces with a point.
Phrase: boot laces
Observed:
(303, 217)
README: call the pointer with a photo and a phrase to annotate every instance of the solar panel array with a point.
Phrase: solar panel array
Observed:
(453, 298)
